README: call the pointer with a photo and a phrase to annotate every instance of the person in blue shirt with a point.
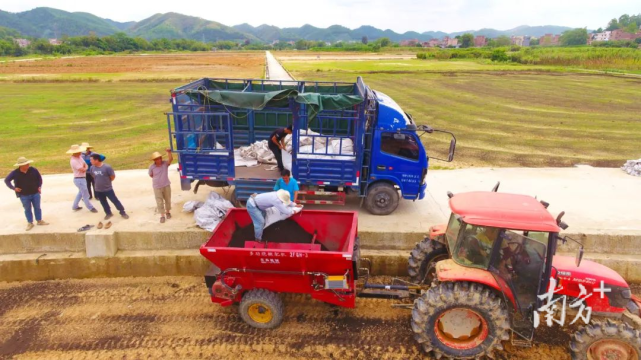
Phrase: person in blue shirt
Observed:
(287, 182)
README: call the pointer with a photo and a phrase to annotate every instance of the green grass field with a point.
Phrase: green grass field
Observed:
(510, 118)
(124, 121)
(401, 66)
(502, 115)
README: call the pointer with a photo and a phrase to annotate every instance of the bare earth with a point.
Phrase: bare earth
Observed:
(173, 318)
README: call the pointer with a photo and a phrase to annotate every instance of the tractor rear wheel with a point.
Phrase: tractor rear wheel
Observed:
(422, 262)
(261, 309)
(382, 199)
(460, 320)
(606, 340)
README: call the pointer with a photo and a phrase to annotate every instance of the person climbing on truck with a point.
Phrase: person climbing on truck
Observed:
(288, 183)
(257, 204)
(277, 144)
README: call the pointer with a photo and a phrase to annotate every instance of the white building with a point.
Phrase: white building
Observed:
(602, 36)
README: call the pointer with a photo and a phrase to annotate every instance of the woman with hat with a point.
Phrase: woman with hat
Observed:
(159, 173)
(79, 168)
(27, 183)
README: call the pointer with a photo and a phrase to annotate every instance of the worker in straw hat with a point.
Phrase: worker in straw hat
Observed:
(79, 168)
(257, 204)
(159, 173)
(27, 184)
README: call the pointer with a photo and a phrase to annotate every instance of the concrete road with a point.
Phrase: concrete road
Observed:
(173, 318)
(274, 70)
(596, 201)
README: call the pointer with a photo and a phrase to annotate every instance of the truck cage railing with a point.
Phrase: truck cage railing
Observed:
(264, 85)
(214, 142)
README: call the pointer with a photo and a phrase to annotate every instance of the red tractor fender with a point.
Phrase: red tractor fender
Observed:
(449, 270)
(437, 230)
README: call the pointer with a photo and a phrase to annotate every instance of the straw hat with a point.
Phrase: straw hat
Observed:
(156, 155)
(86, 145)
(22, 161)
(283, 195)
(76, 149)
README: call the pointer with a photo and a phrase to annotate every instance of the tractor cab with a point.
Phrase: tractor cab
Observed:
(510, 236)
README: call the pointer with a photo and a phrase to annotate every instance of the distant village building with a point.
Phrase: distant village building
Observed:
(619, 34)
(411, 42)
(521, 40)
(55, 42)
(23, 43)
(432, 43)
(480, 41)
(448, 41)
(602, 36)
(549, 40)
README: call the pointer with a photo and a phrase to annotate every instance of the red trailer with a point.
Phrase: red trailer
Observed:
(252, 275)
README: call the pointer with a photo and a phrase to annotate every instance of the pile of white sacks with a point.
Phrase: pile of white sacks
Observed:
(208, 214)
(310, 148)
(632, 167)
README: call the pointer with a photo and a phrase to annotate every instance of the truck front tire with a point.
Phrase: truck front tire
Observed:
(382, 199)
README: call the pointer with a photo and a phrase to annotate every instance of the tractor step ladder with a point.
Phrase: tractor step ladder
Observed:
(519, 341)
(328, 197)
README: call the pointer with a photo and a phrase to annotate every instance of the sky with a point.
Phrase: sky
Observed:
(398, 15)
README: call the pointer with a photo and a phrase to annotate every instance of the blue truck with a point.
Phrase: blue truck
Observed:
(369, 148)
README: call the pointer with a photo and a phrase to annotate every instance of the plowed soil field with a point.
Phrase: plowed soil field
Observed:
(173, 318)
(138, 67)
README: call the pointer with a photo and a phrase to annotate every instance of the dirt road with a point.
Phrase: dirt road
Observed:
(172, 317)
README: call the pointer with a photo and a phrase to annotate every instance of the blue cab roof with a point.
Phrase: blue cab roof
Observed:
(390, 115)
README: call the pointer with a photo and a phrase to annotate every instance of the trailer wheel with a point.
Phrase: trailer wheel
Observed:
(382, 199)
(422, 262)
(460, 320)
(606, 340)
(261, 309)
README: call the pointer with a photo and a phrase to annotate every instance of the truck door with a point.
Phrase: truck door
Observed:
(204, 142)
(401, 159)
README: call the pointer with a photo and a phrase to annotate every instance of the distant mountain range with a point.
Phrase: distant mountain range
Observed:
(53, 23)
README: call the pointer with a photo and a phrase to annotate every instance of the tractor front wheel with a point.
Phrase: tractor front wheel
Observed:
(261, 309)
(422, 262)
(460, 320)
(606, 340)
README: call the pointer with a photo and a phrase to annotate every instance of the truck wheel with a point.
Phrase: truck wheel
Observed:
(606, 340)
(460, 320)
(422, 262)
(261, 309)
(382, 199)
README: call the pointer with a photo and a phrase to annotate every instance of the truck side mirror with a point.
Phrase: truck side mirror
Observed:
(579, 257)
(452, 149)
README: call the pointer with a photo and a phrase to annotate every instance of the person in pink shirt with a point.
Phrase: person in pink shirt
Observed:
(79, 168)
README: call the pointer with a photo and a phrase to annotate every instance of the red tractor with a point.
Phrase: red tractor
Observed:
(490, 269)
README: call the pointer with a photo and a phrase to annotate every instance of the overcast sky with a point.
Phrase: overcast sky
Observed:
(398, 15)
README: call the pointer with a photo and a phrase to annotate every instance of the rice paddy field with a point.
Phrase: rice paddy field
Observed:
(505, 115)
(502, 114)
(116, 103)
